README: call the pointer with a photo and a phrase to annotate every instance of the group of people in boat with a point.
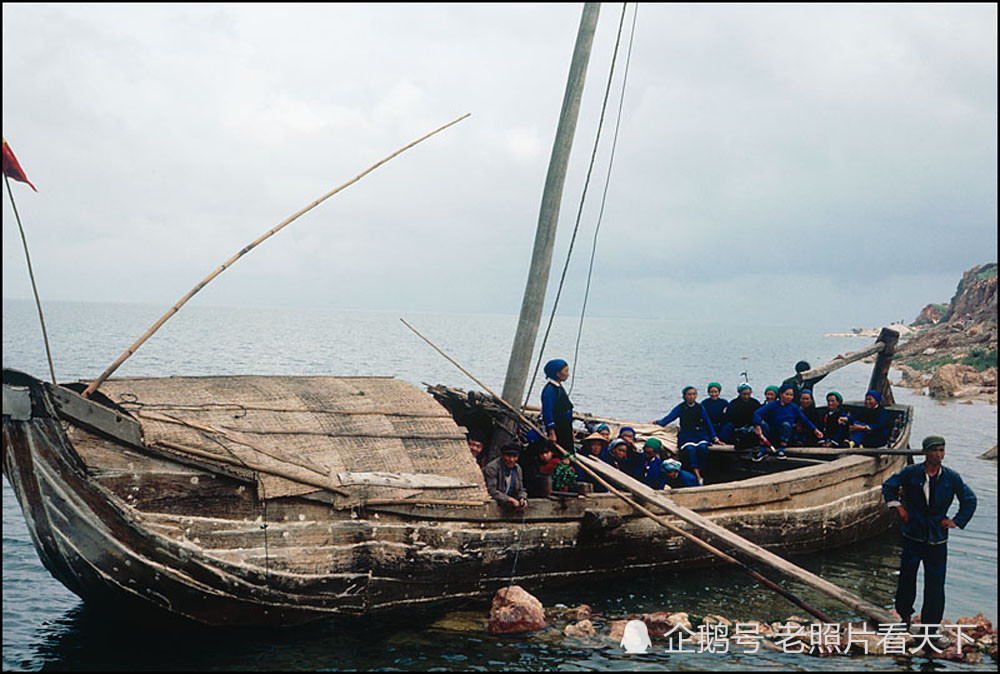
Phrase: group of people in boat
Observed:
(788, 417)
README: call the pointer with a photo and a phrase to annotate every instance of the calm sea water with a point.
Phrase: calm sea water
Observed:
(628, 368)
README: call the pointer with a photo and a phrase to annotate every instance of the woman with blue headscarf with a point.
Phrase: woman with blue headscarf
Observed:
(557, 410)
(870, 427)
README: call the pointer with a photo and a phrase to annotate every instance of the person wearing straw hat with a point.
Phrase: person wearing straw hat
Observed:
(922, 494)
(505, 480)
(594, 446)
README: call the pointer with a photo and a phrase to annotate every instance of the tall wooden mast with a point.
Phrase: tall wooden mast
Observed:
(548, 216)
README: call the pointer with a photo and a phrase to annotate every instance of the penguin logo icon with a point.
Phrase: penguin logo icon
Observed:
(636, 637)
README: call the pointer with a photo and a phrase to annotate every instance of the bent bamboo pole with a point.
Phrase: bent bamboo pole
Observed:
(693, 518)
(228, 263)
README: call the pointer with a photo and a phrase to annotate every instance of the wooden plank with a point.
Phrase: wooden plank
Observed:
(74, 407)
(644, 493)
(403, 480)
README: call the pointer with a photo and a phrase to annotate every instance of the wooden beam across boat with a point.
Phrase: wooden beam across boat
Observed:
(659, 499)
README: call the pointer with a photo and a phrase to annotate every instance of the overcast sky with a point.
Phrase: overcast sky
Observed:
(834, 163)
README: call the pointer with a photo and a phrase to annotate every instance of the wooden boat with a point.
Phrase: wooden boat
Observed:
(278, 500)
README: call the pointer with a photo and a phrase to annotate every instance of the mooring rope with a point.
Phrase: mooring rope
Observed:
(579, 213)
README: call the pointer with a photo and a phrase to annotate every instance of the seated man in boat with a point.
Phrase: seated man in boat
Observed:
(593, 446)
(696, 431)
(799, 383)
(738, 428)
(770, 394)
(650, 471)
(716, 406)
(803, 436)
(775, 423)
(870, 427)
(675, 477)
(476, 448)
(505, 479)
(835, 421)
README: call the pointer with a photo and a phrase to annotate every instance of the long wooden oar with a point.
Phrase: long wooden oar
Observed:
(243, 251)
(691, 517)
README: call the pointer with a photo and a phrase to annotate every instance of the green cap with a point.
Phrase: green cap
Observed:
(932, 441)
(771, 388)
(840, 398)
(654, 443)
(715, 384)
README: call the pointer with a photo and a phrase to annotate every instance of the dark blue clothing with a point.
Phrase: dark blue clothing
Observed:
(833, 430)
(651, 472)
(557, 413)
(695, 424)
(877, 420)
(803, 437)
(779, 420)
(716, 411)
(935, 560)
(738, 427)
(625, 465)
(924, 525)
(683, 479)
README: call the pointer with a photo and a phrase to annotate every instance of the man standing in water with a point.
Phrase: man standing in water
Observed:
(922, 494)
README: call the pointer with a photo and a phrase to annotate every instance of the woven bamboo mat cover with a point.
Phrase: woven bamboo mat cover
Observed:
(310, 426)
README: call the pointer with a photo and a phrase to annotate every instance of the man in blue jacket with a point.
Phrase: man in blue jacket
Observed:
(922, 494)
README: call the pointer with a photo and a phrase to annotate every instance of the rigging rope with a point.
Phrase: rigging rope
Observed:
(604, 196)
(579, 212)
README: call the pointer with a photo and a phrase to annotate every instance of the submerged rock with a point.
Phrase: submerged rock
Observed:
(584, 628)
(515, 611)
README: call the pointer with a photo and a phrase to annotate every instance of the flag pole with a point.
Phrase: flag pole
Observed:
(31, 273)
(246, 249)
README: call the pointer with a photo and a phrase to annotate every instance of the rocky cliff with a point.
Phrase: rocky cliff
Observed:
(953, 354)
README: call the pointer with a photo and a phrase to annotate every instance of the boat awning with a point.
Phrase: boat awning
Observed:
(370, 437)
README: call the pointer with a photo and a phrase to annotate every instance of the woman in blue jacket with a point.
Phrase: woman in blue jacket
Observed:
(557, 409)
(696, 431)
(776, 421)
(870, 427)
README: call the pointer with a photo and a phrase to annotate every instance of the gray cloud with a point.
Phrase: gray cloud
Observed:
(836, 159)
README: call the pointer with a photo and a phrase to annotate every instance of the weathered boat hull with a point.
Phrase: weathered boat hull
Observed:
(113, 521)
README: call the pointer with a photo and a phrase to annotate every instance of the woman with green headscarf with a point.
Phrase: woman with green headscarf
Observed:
(715, 405)
(836, 421)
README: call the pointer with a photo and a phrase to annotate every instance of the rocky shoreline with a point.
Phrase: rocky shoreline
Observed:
(950, 351)
(515, 612)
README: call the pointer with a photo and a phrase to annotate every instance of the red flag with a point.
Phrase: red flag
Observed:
(11, 168)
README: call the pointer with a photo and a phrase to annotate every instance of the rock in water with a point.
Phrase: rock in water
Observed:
(514, 611)
(584, 628)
